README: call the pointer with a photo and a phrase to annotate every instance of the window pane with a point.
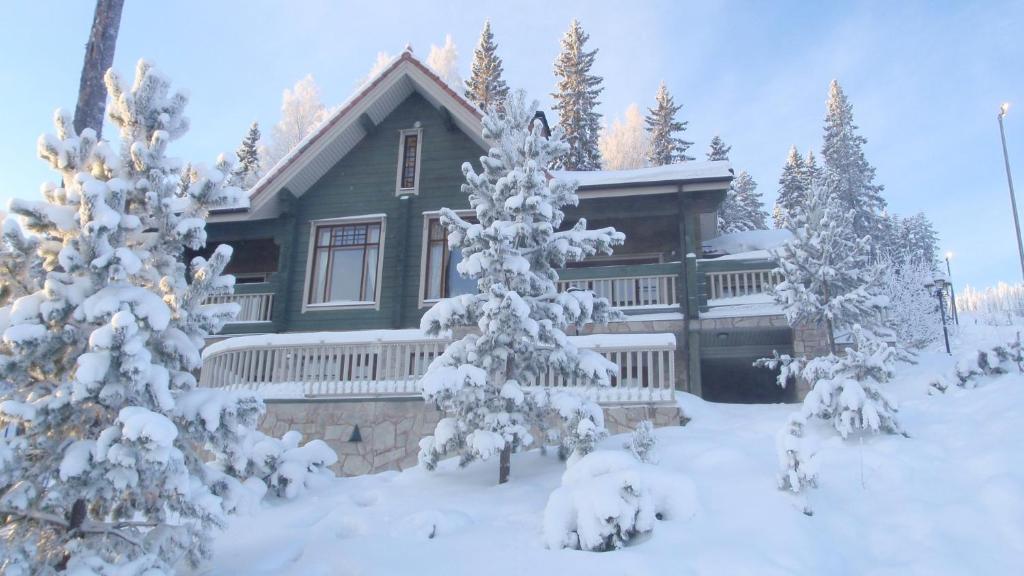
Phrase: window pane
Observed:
(370, 275)
(434, 260)
(320, 277)
(409, 161)
(374, 234)
(325, 237)
(456, 284)
(346, 268)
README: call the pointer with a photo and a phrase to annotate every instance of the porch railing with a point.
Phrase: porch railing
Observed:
(740, 283)
(255, 307)
(281, 366)
(642, 285)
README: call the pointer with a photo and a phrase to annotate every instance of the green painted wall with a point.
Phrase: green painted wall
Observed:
(363, 182)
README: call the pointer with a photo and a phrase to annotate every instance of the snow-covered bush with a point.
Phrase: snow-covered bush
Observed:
(992, 360)
(283, 467)
(105, 473)
(913, 312)
(484, 383)
(582, 425)
(797, 468)
(642, 442)
(608, 499)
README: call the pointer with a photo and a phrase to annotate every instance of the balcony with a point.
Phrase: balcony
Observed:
(631, 287)
(389, 363)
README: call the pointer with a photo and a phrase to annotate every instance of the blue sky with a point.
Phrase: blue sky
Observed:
(925, 79)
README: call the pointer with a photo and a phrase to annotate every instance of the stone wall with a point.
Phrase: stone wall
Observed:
(811, 341)
(390, 429)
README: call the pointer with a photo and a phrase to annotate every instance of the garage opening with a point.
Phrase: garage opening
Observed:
(736, 381)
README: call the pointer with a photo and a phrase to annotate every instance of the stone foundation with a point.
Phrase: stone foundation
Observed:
(390, 429)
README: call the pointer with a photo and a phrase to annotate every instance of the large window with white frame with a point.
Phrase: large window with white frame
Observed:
(345, 258)
(410, 144)
(441, 278)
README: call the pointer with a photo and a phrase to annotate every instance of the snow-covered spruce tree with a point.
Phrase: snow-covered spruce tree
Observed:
(485, 85)
(642, 442)
(792, 189)
(662, 124)
(743, 209)
(576, 102)
(797, 466)
(444, 61)
(483, 382)
(582, 425)
(104, 475)
(718, 150)
(248, 169)
(813, 173)
(828, 276)
(847, 174)
(625, 144)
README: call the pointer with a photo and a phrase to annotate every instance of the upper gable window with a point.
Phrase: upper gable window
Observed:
(409, 145)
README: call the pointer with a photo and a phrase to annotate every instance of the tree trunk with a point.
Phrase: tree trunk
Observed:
(505, 464)
(99, 56)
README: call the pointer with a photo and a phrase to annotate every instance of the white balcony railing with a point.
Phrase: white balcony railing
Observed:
(391, 363)
(252, 307)
(631, 292)
(742, 283)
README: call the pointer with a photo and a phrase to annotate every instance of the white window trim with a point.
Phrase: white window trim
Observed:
(418, 131)
(424, 247)
(350, 304)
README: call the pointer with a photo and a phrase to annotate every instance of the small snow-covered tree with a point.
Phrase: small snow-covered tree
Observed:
(484, 383)
(828, 276)
(301, 112)
(485, 85)
(582, 425)
(743, 209)
(576, 93)
(104, 475)
(625, 144)
(718, 150)
(792, 189)
(444, 61)
(642, 442)
(797, 466)
(663, 125)
(912, 312)
(248, 170)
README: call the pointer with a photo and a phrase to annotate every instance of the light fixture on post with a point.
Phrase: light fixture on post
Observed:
(952, 292)
(1003, 109)
(937, 287)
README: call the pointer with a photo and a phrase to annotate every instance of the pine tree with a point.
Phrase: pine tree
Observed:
(485, 85)
(482, 382)
(743, 209)
(792, 189)
(813, 174)
(718, 150)
(827, 277)
(662, 124)
(104, 475)
(625, 145)
(576, 102)
(248, 170)
(847, 174)
(444, 61)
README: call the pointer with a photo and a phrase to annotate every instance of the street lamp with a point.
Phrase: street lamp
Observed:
(952, 293)
(1003, 109)
(937, 287)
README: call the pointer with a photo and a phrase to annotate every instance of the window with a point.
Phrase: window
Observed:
(409, 160)
(441, 278)
(344, 263)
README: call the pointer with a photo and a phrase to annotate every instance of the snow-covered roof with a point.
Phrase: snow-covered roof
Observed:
(672, 173)
(347, 125)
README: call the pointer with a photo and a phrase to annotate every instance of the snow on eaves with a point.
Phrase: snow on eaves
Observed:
(749, 241)
(653, 175)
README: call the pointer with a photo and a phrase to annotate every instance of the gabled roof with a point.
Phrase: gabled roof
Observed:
(350, 123)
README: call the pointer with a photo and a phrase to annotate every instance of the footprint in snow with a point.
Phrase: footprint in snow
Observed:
(365, 499)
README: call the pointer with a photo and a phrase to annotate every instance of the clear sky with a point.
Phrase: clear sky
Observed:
(925, 80)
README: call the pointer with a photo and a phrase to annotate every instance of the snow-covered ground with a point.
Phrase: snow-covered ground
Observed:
(947, 500)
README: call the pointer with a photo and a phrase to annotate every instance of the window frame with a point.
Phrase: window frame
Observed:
(425, 302)
(314, 227)
(402, 134)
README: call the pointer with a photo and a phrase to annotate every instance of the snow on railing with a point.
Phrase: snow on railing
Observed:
(391, 362)
(740, 283)
(629, 292)
(252, 307)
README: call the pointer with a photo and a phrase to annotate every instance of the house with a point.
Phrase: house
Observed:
(339, 253)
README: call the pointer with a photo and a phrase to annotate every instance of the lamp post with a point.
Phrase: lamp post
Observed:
(1009, 180)
(937, 287)
(952, 293)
